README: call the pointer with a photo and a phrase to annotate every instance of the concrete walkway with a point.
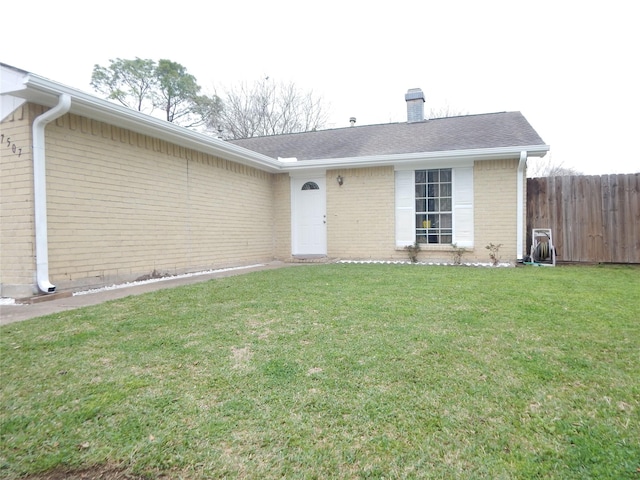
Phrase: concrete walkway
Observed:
(60, 302)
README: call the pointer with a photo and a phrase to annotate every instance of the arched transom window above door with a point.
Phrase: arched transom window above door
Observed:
(310, 186)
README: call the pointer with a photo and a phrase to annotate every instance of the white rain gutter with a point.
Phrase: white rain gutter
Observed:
(40, 191)
(408, 161)
(522, 166)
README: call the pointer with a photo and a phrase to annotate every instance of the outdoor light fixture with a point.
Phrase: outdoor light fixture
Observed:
(340, 180)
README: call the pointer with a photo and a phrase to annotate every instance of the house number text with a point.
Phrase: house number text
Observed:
(9, 144)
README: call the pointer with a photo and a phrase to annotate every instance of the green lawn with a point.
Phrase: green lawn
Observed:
(336, 371)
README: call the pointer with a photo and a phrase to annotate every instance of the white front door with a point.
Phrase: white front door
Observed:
(309, 216)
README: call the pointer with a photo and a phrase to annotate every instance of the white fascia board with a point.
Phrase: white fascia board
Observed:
(407, 161)
(307, 172)
(41, 91)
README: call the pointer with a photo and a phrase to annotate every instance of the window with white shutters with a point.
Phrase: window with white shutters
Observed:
(435, 206)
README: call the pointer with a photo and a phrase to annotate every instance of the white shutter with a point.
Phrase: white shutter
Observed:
(405, 208)
(463, 207)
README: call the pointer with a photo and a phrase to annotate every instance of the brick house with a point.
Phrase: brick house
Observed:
(92, 193)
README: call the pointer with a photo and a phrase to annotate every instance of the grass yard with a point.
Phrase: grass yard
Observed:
(335, 371)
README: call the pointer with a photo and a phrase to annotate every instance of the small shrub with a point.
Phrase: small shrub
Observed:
(413, 251)
(457, 253)
(494, 253)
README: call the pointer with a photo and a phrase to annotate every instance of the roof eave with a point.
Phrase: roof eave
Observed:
(399, 160)
(44, 92)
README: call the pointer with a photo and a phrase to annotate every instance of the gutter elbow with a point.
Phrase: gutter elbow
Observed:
(522, 164)
(45, 286)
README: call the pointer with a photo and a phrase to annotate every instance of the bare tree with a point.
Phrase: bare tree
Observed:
(548, 167)
(445, 111)
(240, 115)
(266, 107)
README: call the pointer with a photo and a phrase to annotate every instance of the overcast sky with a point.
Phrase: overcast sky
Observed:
(570, 67)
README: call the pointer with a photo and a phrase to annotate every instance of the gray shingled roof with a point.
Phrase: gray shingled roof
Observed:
(492, 130)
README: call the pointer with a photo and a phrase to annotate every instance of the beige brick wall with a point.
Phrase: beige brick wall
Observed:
(362, 226)
(495, 200)
(17, 249)
(121, 205)
(282, 216)
(361, 214)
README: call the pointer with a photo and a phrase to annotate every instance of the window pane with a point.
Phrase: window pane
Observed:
(433, 191)
(421, 176)
(446, 239)
(421, 191)
(445, 220)
(445, 190)
(433, 205)
(445, 175)
(421, 205)
(422, 224)
(445, 205)
(434, 175)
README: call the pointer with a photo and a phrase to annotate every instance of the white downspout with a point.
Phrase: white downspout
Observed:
(40, 191)
(522, 166)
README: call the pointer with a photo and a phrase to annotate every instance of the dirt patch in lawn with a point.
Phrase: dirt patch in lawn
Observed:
(98, 472)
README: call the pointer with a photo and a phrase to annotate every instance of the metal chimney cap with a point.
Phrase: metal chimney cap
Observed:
(414, 94)
(352, 121)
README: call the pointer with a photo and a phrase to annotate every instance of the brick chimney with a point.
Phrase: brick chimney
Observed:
(415, 105)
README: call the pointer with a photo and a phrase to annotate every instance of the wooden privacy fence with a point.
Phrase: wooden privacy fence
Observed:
(592, 218)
